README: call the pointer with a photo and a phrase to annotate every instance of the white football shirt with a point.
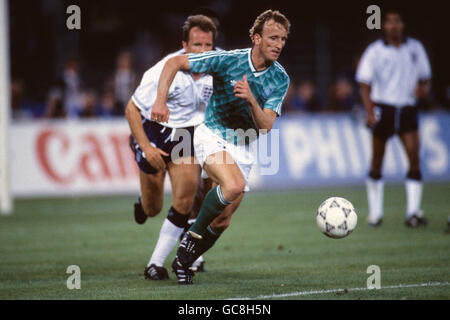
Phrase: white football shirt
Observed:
(187, 99)
(393, 73)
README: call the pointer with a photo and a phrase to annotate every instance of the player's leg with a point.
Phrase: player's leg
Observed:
(151, 203)
(151, 182)
(230, 182)
(382, 131)
(152, 192)
(413, 183)
(184, 180)
(374, 183)
(204, 186)
(217, 227)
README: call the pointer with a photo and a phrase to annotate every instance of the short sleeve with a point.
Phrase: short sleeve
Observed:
(365, 72)
(208, 62)
(145, 95)
(275, 102)
(424, 63)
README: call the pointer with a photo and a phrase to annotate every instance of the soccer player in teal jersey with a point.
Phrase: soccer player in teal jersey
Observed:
(249, 89)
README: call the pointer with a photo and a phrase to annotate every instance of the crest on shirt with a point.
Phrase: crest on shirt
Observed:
(414, 57)
(207, 92)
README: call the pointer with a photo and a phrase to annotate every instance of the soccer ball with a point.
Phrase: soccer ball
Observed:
(336, 217)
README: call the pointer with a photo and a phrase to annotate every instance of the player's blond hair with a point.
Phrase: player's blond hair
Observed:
(203, 22)
(267, 15)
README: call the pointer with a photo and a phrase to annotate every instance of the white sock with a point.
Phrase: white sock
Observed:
(375, 190)
(168, 238)
(198, 261)
(413, 197)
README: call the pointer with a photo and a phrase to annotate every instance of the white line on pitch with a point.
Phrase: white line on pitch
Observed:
(307, 293)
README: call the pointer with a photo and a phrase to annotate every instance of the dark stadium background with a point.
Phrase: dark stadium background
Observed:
(325, 41)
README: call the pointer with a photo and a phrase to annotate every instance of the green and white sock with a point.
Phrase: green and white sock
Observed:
(213, 205)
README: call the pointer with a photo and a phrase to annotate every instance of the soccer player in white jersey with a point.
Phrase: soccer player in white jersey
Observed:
(249, 89)
(153, 141)
(392, 73)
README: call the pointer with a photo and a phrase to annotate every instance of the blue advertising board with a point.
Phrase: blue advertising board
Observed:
(321, 150)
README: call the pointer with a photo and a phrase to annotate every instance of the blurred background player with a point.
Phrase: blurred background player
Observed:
(259, 85)
(393, 73)
(153, 141)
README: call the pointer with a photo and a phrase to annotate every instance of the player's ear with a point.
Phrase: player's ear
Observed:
(185, 45)
(257, 39)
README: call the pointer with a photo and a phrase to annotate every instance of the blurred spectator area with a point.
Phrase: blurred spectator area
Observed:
(58, 73)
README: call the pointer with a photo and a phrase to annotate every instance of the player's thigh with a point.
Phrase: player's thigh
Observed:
(152, 192)
(221, 168)
(411, 143)
(184, 177)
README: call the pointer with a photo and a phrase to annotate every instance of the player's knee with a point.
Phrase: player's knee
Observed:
(233, 189)
(414, 174)
(375, 174)
(414, 163)
(183, 204)
(151, 209)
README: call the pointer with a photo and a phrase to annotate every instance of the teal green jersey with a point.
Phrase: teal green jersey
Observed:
(225, 111)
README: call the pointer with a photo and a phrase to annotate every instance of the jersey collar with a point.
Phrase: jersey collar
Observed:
(252, 67)
(403, 41)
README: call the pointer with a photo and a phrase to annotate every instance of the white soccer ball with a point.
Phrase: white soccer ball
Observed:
(336, 217)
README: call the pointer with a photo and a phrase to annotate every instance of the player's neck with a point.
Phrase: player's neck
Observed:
(258, 61)
(394, 41)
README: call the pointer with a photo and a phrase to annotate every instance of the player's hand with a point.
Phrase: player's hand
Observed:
(371, 120)
(160, 112)
(242, 90)
(154, 157)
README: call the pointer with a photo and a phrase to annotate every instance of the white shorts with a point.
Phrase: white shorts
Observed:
(207, 143)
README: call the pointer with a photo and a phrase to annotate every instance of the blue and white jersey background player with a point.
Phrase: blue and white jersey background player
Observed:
(153, 141)
(249, 89)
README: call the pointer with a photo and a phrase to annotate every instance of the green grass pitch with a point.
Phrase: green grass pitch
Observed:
(272, 247)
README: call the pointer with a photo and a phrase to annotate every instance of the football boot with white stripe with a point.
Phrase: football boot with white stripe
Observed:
(184, 275)
(153, 272)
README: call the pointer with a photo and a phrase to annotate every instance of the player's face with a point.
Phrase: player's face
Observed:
(272, 40)
(393, 26)
(199, 41)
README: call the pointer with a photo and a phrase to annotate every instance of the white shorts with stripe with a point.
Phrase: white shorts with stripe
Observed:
(207, 143)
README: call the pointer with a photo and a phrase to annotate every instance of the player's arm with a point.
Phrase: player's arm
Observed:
(152, 154)
(364, 91)
(365, 76)
(423, 89)
(424, 86)
(263, 118)
(160, 112)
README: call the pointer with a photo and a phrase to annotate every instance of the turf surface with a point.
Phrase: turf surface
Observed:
(272, 247)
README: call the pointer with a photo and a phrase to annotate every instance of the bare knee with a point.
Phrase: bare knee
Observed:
(183, 204)
(233, 189)
(151, 208)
